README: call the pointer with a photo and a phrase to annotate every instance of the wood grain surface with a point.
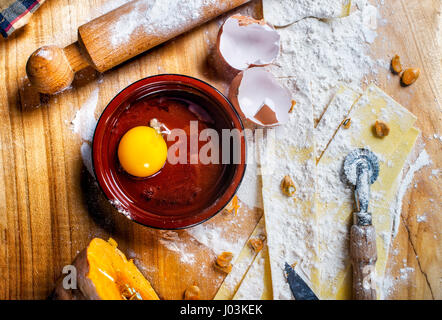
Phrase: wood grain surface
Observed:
(50, 209)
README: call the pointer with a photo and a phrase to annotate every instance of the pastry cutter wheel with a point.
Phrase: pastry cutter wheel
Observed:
(361, 168)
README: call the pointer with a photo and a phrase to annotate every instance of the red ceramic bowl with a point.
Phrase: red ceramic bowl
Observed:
(104, 165)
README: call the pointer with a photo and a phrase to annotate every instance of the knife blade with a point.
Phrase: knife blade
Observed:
(300, 289)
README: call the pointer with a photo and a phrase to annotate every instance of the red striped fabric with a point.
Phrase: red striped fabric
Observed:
(15, 13)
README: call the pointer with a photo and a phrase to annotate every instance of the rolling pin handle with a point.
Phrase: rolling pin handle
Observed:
(49, 70)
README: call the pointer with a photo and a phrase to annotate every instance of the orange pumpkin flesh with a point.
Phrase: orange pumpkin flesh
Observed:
(103, 272)
(112, 274)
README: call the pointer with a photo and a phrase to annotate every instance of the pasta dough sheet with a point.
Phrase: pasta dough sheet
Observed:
(335, 198)
(375, 104)
(257, 283)
(241, 266)
(290, 221)
(336, 112)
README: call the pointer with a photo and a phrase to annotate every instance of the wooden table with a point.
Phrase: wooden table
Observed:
(50, 209)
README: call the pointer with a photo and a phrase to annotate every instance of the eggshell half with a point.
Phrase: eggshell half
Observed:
(244, 42)
(260, 98)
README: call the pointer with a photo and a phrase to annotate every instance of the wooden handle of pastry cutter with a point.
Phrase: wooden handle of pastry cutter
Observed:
(116, 37)
(364, 255)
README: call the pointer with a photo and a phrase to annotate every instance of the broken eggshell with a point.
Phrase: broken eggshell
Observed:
(245, 42)
(260, 98)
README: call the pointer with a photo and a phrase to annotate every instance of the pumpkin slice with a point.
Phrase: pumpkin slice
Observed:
(104, 273)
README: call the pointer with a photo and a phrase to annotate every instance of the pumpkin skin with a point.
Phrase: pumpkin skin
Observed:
(104, 273)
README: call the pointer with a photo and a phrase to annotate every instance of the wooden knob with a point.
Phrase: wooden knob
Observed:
(49, 70)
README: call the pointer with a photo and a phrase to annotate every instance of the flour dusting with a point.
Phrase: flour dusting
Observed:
(320, 55)
(422, 161)
(172, 241)
(86, 155)
(84, 122)
(285, 12)
(119, 206)
(214, 238)
(159, 18)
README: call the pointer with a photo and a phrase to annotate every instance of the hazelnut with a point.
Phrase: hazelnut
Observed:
(256, 244)
(346, 123)
(287, 186)
(224, 259)
(381, 129)
(192, 293)
(226, 269)
(410, 76)
(396, 65)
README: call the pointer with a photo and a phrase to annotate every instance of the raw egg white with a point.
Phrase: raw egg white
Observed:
(142, 151)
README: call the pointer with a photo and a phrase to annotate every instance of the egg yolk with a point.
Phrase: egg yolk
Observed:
(142, 151)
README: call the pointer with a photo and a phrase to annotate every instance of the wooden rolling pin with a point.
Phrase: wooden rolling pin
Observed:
(118, 36)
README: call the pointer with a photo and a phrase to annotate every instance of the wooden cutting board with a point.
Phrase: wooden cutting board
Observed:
(50, 209)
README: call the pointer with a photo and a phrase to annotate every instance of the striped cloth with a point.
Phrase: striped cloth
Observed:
(14, 14)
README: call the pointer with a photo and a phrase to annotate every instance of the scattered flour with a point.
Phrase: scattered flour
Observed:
(436, 136)
(84, 122)
(434, 173)
(387, 287)
(180, 248)
(86, 155)
(213, 238)
(285, 12)
(319, 55)
(117, 204)
(336, 112)
(173, 242)
(396, 208)
(252, 286)
(162, 18)
(390, 283)
(405, 272)
(234, 278)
